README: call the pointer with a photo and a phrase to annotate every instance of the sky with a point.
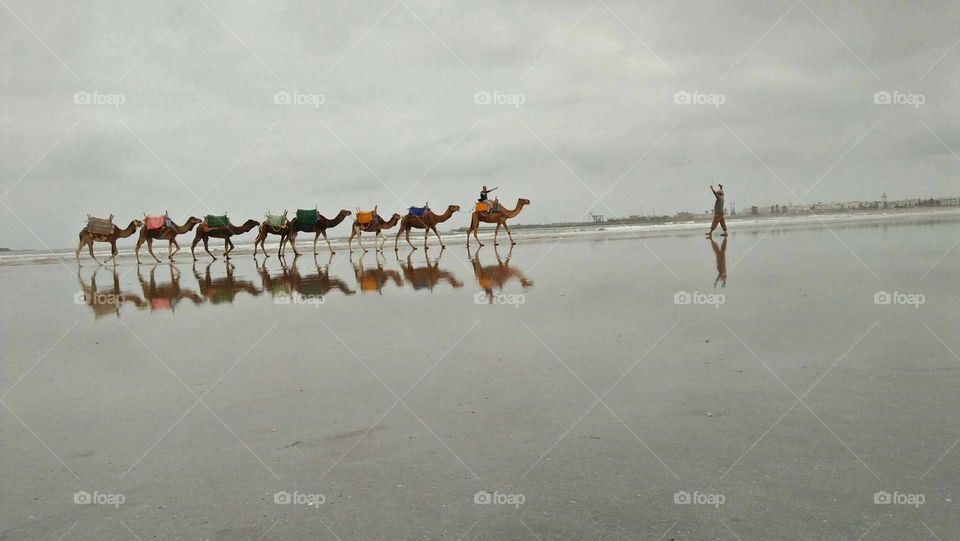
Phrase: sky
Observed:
(607, 106)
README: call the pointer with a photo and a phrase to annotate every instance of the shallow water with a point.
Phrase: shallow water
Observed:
(399, 386)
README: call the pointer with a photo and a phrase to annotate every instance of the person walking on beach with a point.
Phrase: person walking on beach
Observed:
(718, 211)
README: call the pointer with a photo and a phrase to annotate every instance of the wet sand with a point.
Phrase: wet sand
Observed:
(589, 389)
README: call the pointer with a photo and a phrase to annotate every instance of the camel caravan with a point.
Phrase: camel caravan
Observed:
(161, 227)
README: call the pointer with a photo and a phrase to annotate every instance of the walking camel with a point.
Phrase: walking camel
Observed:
(428, 222)
(499, 217)
(377, 225)
(168, 234)
(222, 232)
(320, 228)
(266, 229)
(87, 239)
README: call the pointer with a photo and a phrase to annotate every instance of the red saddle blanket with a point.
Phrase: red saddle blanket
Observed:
(155, 222)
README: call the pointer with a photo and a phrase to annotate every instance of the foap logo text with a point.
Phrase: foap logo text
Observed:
(509, 299)
(697, 297)
(483, 97)
(884, 97)
(696, 97)
(899, 498)
(98, 498)
(899, 298)
(299, 498)
(696, 497)
(84, 97)
(283, 97)
(498, 498)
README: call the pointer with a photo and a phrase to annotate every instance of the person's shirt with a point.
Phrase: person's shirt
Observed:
(718, 205)
(483, 195)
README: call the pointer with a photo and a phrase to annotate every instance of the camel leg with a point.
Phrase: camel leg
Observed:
(495, 233)
(136, 249)
(412, 247)
(316, 236)
(360, 241)
(260, 236)
(150, 250)
(293, 242)
(382, 238)
(353, 232)
(505, 226)
(196, 240)
(426, 237)
(113, 252)
(173, 242)
(396, 240)
(206, 247)
(329, 247)
(442, 245)
(476, 227)
(77, 255)
(90, 247)
(226, 247)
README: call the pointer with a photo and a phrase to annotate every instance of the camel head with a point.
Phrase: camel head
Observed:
(343, 214)
(523, 201)
(193, 220)
(454, 208)
(248, 225)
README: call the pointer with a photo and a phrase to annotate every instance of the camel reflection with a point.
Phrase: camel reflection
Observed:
(105, 301)
(496, 276)
(720, 252)
(427, 277)
(224, 289)
(313, 285)
(374, 279)
(166, 295)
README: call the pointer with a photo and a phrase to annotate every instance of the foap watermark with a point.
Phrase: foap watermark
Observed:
(509, 299)
(97, 298)
(282, 97)
(299, 298)
(483, 97)
(96, 97)
(900, 298)
(498, 498)
(98, 498)
(683, 497)
(696, 97)
(696, 297)
(896, 97)
(897, 498)
(299, 498)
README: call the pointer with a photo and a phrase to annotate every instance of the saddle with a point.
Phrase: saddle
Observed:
(212, 221)
(307, 216)
(366, 217)
(419, 212)
(485, 207)
(100, 226)
(157, 222)
(276, 221)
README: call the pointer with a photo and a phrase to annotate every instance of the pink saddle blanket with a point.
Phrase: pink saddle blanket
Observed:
(155, 222)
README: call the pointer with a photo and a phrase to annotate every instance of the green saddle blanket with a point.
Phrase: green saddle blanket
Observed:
(307, 216)
(275, 220)
(217, 221)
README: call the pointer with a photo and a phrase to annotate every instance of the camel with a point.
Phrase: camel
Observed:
(168, 234)
(293, 227)
(428, 222)
(498, 217)
(496, 275)
(107, 301)
(316, 285)
(374, 279)
(220, 290)
(87, 238)
(376, 226)
(224, 232)
(165, 296)
(427, 277)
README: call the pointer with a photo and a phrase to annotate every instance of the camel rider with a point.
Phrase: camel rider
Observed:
(483, 198)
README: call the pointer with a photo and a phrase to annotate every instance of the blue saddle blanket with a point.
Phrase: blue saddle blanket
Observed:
(418, 211)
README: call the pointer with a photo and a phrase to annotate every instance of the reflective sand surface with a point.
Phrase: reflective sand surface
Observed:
(585, 384)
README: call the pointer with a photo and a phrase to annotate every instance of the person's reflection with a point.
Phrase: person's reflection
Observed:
(225, 289)
(319, 284)
(165, 296)
(374, 279)
(721, 253)
(105, 301)
(497, 275)
(429, 276)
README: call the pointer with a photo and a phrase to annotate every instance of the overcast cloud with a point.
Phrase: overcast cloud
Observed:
(199, 130)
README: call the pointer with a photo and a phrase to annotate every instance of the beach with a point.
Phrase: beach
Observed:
(796, 380)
